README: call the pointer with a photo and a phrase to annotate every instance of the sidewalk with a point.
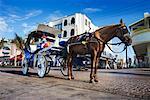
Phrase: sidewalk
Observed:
(119, 84)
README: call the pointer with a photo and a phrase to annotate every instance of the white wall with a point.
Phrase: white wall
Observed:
(12, 52)
(69, 26)
(79, 25)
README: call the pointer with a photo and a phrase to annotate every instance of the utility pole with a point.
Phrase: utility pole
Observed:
(15, 60)
(126, 56)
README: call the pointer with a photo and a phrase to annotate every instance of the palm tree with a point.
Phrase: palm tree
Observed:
(2, 43)
(19, 42)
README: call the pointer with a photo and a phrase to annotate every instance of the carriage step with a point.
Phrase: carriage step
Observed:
(50, 63)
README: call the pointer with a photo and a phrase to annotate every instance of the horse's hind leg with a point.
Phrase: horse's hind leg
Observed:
(69, 63)
(93, 59)
(71, 71)
(69, 67)
(95, 70)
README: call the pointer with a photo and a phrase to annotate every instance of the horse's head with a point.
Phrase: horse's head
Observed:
(123, 33)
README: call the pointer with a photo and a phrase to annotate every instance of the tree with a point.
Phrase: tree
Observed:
(2, 43)
(19, 42)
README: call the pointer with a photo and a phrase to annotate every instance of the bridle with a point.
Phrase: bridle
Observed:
(122, 34)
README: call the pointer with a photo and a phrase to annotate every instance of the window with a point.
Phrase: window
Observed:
(65, 23)
(104, 52)
(6, 48)
(65, 34)
(89, 24)
(72, 32)
(149, 23)
(73, 20)
(85, 21)
(58, 26)
(110, 55)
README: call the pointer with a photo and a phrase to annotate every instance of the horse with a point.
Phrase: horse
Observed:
(95, 46)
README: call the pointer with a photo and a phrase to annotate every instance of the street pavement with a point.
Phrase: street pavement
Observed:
(121, 84)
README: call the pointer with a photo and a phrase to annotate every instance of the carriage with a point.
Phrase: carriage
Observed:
(39, 51)
(94, 45)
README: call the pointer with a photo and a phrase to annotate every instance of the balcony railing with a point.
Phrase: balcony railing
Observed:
(139, 29)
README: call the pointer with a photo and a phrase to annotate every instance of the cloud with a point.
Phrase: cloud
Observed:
(14, 17)
(32, 14)
(27, 28)
(13, 13)
(91, 10)
(4, 27)
(55, 15)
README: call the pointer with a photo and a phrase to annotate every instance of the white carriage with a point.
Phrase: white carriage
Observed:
(38, 51)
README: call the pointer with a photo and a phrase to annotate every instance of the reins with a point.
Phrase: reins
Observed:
(112, 44)
(125, 47)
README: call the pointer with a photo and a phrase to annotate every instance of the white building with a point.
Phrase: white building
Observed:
(141, 39)
(9, 50)
(73, 25)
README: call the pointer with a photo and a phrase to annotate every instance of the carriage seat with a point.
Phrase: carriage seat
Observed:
(84, 37)
(63, 43)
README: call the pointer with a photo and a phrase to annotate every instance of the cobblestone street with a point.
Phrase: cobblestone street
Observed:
(113, 84)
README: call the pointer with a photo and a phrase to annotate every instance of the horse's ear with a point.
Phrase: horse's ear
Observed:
(121, 21)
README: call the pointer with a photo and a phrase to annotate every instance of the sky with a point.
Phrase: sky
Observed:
(21, 16)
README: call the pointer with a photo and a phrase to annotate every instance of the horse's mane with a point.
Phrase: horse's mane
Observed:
(74, 37)
(107, 27)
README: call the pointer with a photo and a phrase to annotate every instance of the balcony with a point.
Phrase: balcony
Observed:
(139, 30)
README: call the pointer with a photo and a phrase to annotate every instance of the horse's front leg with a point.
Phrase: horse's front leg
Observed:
(91, 74)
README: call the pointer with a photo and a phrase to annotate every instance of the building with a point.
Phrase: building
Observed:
(73, 25)
(141, 40)
(9, 50)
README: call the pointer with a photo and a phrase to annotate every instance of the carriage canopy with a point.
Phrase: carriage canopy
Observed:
(44, 36)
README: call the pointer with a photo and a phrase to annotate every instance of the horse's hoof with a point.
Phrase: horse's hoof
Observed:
(72, 78)
(96, 80)
(90, 81)
(69, 78)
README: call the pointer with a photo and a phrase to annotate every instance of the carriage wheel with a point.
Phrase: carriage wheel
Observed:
(49, 64)
(63, 67)
(24, 65)
(41, 66)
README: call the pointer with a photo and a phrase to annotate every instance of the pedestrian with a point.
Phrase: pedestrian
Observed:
(107, 64)
(114, 63)
(122, 64)
(130, 62)
(135, 62)
(140, 62)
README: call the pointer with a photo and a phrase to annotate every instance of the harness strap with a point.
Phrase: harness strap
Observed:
(76, 43)
(125, 47)
(112, 44)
